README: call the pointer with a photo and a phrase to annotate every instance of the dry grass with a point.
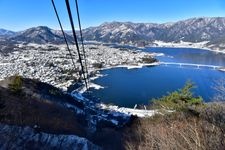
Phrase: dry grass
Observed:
(32, 110)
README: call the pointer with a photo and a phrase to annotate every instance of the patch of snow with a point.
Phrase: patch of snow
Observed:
(182, 44)
(129, 111)
(77, 95)
(134, 67)
(23, 136)
(114, 122)
(95, 86)
(158, 54)
(222, 69)
(97, 76)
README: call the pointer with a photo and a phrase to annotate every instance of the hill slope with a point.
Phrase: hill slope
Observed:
(37, 115)
(31, 109)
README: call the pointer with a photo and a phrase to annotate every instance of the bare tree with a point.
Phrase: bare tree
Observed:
(219, 87)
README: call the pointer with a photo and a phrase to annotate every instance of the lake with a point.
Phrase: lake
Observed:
(125, 88)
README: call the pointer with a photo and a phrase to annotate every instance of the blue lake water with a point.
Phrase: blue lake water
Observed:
(126, 88)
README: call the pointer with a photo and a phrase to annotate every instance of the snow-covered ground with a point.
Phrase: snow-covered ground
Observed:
(130, 111)
(52, 63)
(136, 66)
(182, 44)
(115, 110)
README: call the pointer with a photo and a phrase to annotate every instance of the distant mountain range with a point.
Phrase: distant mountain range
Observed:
(139, 34)
(191, 30)
(6, 33)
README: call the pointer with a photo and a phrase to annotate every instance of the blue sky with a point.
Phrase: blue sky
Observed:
(21, 14)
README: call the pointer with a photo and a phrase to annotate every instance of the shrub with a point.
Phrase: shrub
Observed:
(149, 60)
(2, 102)
(97, 65)
(179, 100)
(16, 84)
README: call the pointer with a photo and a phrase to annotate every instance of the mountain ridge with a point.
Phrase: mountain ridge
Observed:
(190, 30)
(211, 29)
(40, 35)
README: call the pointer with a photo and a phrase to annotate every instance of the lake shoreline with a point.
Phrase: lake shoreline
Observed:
(161, 44)
(141, 65)
(139, 112)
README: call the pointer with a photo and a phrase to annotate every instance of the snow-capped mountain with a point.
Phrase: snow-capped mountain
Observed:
(140, 34)
(197, 30)
(191, 30)
(40, 35)
(6, 33)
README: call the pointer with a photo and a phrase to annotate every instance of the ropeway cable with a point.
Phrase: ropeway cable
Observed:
(75, 39)
(64, 35)
(81, 37)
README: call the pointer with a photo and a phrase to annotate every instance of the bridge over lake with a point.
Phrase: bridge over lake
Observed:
(191, 64)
